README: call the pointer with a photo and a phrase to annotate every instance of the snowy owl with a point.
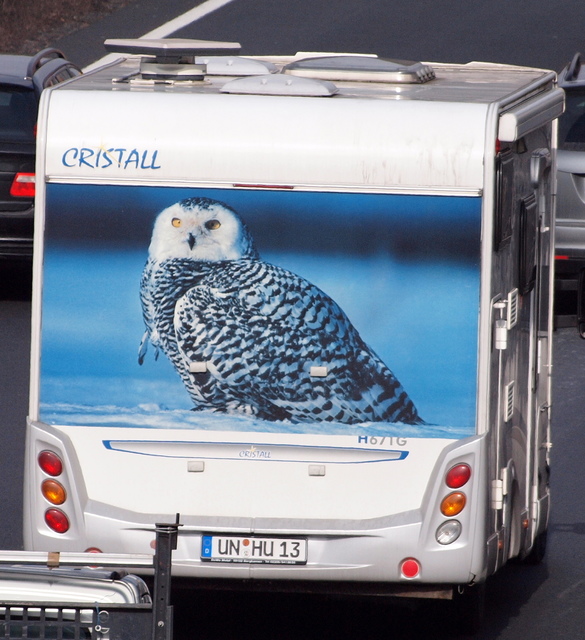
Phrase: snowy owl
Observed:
(250, 337)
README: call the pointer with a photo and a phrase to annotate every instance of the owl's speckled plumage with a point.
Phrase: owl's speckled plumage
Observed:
(244, 334)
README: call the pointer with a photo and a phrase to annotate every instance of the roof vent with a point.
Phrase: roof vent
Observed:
(279, 85)
(361, 69)
(171, 58)
(234, 66)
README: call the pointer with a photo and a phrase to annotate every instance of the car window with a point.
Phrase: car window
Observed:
(61, 75)
(572, 122)
(18, 115)
(73, 72)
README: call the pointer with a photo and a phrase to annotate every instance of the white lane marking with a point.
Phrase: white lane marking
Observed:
(170, 27)
(187, 18)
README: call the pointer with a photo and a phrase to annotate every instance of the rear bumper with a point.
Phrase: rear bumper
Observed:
(340, 557)
(16, 234)
(570, 239)
(16, 248)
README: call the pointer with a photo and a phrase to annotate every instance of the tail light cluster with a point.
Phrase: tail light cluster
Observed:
(53, 491)
(451, 506)
(23, 186)
(453, 503)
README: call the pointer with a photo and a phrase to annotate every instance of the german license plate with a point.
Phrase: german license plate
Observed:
(254, 549)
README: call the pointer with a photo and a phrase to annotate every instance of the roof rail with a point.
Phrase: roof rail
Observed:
(36, 62)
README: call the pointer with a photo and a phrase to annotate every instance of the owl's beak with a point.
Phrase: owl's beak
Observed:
(191, 240)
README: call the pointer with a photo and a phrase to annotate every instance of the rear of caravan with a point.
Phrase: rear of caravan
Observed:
(388, 221)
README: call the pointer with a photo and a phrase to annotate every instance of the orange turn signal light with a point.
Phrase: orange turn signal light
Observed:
(54, 491)
(453, 504)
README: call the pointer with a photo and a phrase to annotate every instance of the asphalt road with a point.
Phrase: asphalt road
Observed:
(14, 363)
(540, 602)
(526, 33)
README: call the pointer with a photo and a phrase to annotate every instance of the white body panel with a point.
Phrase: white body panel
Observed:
(351, 503)
(354, 149)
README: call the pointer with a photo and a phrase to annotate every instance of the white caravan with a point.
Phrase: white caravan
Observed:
(303, 301)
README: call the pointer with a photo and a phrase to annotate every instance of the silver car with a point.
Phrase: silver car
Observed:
(570, 215)
(570, 229)
(40, 602)
(48, 596)
(69, 585)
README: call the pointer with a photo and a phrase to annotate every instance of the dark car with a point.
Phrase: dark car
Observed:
(22, 79)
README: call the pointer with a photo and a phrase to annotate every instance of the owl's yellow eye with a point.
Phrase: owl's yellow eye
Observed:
(212, 224)
(176, 222)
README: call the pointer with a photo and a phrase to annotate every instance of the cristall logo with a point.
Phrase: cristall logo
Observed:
(254, 453)
(116, 157)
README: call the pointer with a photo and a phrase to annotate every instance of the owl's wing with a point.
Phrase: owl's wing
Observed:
(161, 285)
(216, 347)
(280, 348)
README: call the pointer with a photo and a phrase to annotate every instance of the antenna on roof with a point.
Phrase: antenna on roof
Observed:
(170, 50)
(171, 58)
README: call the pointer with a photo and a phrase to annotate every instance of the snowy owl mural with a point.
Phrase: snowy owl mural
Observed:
(249, 337)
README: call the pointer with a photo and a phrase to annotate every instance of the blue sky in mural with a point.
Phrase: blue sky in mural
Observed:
(405, 269)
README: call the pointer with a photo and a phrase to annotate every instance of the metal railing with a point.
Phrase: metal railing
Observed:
(82, 621)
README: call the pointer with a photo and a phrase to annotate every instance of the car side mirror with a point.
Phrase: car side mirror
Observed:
(539, 163)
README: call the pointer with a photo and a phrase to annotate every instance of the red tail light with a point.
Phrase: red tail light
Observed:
(57, 520)
(458, 476)
(50, 463)
(410, 568)
(23, 185)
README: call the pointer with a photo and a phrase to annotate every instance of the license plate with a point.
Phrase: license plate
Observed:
(254, 549)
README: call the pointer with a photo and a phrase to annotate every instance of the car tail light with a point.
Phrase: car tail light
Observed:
(54, 491)
(50, 463)
(448, 532)
(410, 568)
(458, 476)
(57, 520)
(453, 504)
(23, 185)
